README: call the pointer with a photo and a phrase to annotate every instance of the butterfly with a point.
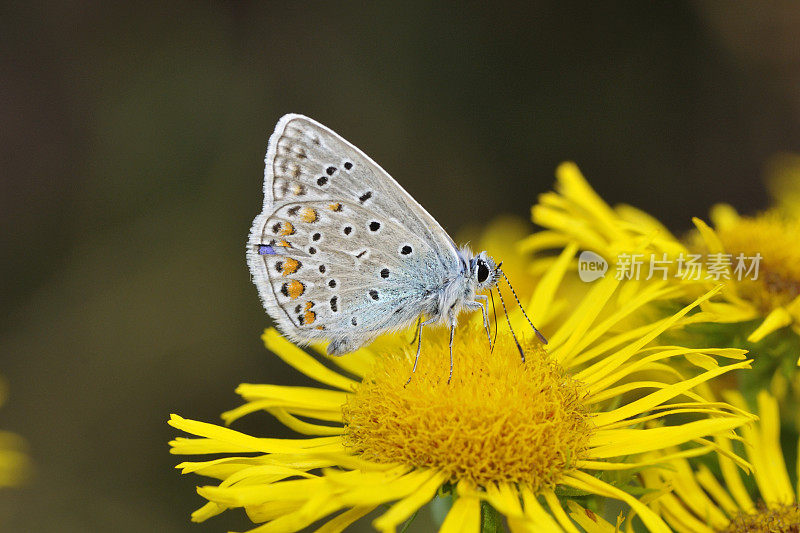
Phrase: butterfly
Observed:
(341, 252)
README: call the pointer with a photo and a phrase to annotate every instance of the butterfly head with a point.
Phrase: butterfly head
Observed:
(483, 270)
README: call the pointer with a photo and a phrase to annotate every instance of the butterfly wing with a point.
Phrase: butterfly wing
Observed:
(340, 250)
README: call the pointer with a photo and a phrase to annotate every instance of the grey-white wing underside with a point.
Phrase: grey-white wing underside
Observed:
(350, 251)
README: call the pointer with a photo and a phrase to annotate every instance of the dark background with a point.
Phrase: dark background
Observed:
(132, 157)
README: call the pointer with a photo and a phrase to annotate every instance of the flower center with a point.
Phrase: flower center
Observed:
(499, 420)
(775, 238)
(781, 519)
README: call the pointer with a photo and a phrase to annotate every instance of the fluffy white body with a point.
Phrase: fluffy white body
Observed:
(341, 252)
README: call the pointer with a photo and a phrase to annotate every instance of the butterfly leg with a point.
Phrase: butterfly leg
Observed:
(452, 331)
(420, 325)
(482, 300)
(482, 307)
(416, 331)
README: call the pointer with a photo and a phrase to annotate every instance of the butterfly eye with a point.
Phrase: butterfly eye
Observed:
(483, 271)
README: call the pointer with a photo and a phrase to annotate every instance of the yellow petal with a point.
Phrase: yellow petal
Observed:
(505, 499)
(600, 369)
(691, 493)
(654, 399)
(709, 236)
(272, 510)
(679, 517)
(303, 397)
(539, 518)
(618, 442)
(314, 509)
(588, 520)
(226, 467)
(340, 522)
(583, 481)
(778, 318)
(651, 460)
(770, 472)
(634, 302)
(329, 414)
(207, 511)
(247, 495)
(571, 184)
(733, 480)
(400, 511)
(557, 511)
(723, 216)
(575, 228)
(464, 516)
(613, 392)
(219, 440)
(643, 221)
(582, 317)
(717, 491)
(546, 289)
(303, 362)
(727, 312)
(357, 363)
(302, 426)
(542, 240)
(380, 492)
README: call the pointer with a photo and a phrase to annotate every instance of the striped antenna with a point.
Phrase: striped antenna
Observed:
(538, 333)
(494, 311)
(509, 321)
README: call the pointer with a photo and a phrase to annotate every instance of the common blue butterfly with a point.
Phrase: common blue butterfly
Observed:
(341, 252)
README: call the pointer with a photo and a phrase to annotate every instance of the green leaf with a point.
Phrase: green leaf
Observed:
(440, 506)
(491, 520)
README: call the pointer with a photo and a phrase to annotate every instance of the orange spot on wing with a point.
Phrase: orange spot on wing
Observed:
(309, 317)
(309, 305)
(285, 243)
(295, 289)
(287, 228)
(307, 214)
(335, 207)
(290, 266)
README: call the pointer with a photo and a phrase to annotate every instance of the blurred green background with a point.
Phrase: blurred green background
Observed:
(132, 145)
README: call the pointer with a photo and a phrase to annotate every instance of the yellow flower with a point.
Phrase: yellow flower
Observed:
(699, 501)
(774, 295)
(14, 463)
(756, 258)
(518, 436)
